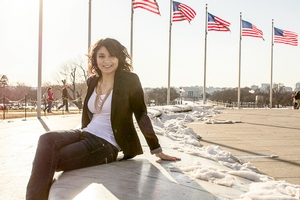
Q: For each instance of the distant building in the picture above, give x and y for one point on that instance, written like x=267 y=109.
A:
x=297 y=86
x=254 y=87
x=211 y=89
x=288 y=89
x=196 y=92
x=191 y=93
x=265 y=87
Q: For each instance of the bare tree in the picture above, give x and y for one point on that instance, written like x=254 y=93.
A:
x=4 y=80
x=3 y=84
x=278 y=91
x=20 y=90
x=159 y=95
x=74 y=73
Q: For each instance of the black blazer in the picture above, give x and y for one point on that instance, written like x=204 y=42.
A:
x=127 y=99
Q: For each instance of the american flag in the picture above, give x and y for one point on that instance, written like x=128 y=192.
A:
x=285 y=37
x=216 y=23
x=150 y=5
x=251 y=30
x=182 y=12
x=251 y=91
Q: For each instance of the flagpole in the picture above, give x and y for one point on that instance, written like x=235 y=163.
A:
x=40 y=49
x=89 y=25
x=205 y=47
x=169 y=65
x=271 y=84
x=131 y=32
x=240 y=61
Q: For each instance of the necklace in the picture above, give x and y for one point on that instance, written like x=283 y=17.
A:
x=99 y=99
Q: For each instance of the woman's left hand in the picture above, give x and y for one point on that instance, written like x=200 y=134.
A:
x=163 y=156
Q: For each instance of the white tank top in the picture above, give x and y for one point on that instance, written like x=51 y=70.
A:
x=100 y=124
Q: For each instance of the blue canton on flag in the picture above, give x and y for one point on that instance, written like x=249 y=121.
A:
x=182 y=12
x=251 y=30
x=285 y=37
x=217 y=24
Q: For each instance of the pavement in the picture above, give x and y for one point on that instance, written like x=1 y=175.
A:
x=268 y=138
x=18 y=141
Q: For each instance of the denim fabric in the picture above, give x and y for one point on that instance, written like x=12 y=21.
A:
x=63 y=151
x=49 y=106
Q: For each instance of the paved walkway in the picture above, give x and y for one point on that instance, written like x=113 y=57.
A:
x=18 y=140
x=268 y=138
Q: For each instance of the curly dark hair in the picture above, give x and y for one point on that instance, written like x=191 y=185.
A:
x=115 y=48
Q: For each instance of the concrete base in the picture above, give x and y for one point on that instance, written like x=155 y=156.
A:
x=143 y=177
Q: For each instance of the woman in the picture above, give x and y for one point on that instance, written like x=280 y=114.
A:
x=114 y=94
x=50 y=99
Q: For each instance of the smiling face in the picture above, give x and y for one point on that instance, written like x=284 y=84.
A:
x=106 y=62
x=112 y=49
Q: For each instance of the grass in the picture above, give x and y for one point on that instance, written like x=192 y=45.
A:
x=10 y=114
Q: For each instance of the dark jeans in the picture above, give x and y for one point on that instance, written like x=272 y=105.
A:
x=65 y=103
x=63 y=151
x=49 y=106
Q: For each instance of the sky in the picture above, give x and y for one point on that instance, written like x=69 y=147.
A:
x=65 y=39
x=242 y=181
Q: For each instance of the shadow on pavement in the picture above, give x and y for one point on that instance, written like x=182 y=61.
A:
x=275 y=126
x=251 y=152
x=44 y=125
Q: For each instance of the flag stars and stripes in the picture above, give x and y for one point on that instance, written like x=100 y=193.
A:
x=251 y=91
x=285 y=37
x=215 y=23
x=251 y=30
x=150 y=5
x=182 y=12
x=181 y=89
